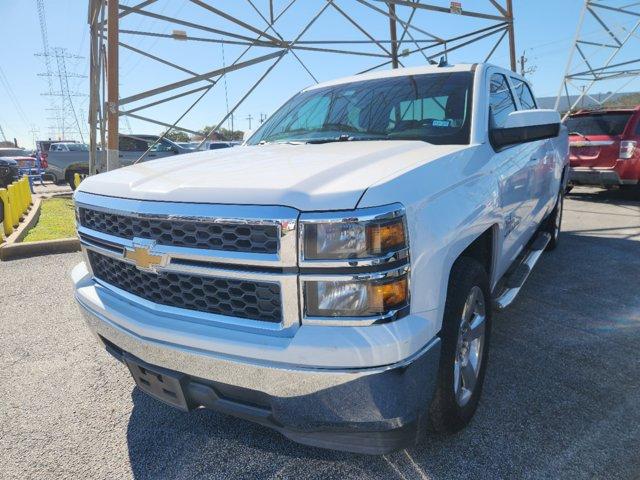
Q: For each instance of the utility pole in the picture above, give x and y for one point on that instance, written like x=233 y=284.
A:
x=34 y=133
x=512 y=36
x=263 y=117
x=524 y=70
x=249 y=117
x=113 y=161
x=394 y=35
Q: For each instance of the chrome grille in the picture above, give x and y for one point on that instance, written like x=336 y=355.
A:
x=210 y=235
x=238 y=298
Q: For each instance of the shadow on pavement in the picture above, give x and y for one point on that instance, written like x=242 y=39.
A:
x=618 y=196
x=560 y=398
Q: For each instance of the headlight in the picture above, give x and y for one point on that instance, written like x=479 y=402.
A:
x=365 y=298
x=342 y=261
x=374 y=235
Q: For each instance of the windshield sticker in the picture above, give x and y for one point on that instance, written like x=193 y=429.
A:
x=441 y=123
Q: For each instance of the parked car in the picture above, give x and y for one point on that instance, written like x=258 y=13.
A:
x=219 y=145
x=335 y=277
x=604 y=147
x=8 y=171
x=42 y=151
x=65 y=159
x=11 y=161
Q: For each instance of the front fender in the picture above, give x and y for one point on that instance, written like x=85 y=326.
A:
x=450 y=202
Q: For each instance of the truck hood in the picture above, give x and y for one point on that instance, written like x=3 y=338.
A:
x=329 y=176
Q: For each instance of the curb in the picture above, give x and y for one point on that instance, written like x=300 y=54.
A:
x=23 y=227
x=45 y=247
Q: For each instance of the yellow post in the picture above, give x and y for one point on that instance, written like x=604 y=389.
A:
x=8 y=218
x=29 y=197
x=13 y=204
x=76 y=179
x=27 y=191
x=23 y=196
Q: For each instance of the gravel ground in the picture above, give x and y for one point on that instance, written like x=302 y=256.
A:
x=560 y=398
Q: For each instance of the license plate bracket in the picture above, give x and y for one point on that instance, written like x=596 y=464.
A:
x=159 y=383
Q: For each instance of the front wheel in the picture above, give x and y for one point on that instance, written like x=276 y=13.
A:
x=553 y=223
x=465 y=344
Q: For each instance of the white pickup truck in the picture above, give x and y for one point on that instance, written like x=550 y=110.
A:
x=333 y=278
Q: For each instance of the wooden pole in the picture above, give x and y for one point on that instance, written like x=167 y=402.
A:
x=512 y=37
x=394 y=35
x=113 y=160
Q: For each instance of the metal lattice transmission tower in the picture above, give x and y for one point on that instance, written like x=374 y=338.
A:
x=65 y=120
x=605 y=56
x=319 y=39
x=55 y=127
x=68 y=120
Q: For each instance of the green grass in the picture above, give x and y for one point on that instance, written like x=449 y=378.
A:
x=57 y=220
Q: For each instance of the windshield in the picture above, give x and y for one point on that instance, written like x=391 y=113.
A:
x=434 y=108
x=598 y=124
x=77 y=147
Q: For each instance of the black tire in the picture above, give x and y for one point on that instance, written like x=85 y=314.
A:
x=553 y=223
x=446 y=413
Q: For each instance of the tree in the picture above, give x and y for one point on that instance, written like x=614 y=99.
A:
x=177 y=136
x=221 y=134
x=628 y=100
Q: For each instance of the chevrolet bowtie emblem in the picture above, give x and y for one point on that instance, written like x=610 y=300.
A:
x=142 y=257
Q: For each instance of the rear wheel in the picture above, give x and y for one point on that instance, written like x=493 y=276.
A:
x=465 y=344
x=70 y=177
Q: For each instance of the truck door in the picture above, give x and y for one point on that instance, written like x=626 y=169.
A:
x=513 y=167
x=131 y=148
x=545 y=164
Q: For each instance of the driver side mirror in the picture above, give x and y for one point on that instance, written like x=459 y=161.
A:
x=526 y=126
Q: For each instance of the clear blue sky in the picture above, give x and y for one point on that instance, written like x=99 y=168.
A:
x=544 y=28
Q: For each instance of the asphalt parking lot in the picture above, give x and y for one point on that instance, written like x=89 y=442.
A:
x=560 y=400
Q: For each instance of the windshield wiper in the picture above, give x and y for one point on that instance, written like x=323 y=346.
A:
x=341 y=138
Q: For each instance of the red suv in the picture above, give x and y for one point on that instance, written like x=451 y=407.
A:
x=604 y=147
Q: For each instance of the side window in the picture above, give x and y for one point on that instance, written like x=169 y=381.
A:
x=129 y=144
x=524 y=94
x=501 y=101
x=162 y=146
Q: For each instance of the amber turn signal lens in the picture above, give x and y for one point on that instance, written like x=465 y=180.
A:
x=387 y=296
x=386 y=237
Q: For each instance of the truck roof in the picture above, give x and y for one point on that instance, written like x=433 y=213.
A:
x=400 y=72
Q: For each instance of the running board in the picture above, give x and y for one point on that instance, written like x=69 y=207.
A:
x=514 y=282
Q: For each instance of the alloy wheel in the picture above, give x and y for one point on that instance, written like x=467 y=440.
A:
x=470 y=346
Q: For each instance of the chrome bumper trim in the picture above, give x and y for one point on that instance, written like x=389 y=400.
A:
x=277 y=380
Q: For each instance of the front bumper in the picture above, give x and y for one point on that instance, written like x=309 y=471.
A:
x=366 y=410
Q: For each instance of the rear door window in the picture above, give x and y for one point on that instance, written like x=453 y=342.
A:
x=598 y=123
x=501 y=101
x=523 y=92
x=130 y=144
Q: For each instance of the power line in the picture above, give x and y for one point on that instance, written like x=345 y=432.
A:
x=14 y=99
